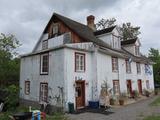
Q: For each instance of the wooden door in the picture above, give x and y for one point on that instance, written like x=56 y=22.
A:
x=129 y=87
x=80 y=94
x=140 y=86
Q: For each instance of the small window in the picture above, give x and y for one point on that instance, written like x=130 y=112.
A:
x=55 y=29
x=43 y=92
x=44 y=63
x=44 y=44
x=114 y=64
x=137 y=50
x=27 y=87
x=138 y=68
x=128 y=66
x=116 y=87
x=79 y=62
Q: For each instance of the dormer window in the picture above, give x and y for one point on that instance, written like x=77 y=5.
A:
x=137 y=50
x=44 y=44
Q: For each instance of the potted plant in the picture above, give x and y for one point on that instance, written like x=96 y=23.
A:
x=135 y=94
x=122 y=98
x=147 y=93
x=112 y=101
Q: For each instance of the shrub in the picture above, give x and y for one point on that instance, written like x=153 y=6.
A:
x=12 y=100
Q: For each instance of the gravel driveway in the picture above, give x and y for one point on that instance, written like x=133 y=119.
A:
x=135 y=111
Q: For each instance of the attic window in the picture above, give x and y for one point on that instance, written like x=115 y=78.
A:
x=55 y=29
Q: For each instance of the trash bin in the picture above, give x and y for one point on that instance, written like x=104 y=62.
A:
x=71 y=107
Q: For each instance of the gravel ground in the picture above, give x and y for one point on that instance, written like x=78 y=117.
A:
x=135 y=111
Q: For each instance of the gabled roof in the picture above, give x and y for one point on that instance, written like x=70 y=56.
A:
x=80 y=29
x=103 y=31
x=130 y=41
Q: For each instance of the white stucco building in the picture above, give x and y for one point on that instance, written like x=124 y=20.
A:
x=71 y=61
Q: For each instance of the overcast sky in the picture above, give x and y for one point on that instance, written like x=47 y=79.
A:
x=26 y=19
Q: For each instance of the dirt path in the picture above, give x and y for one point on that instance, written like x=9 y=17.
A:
x=134 y=111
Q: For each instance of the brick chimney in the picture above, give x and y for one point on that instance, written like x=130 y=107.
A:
x=90 y=22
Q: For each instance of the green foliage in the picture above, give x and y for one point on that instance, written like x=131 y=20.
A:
x=156 y=102
x=152 y=118
x=12 y=99
x=128 y=31
x=4 y=116
x=9 y=65
x=154 y=55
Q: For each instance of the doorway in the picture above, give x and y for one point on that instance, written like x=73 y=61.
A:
x=80 y=94
x=129 y=88
x=140 y=86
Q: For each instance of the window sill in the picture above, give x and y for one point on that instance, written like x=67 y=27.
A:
x=115 y=71
x=43 y=73
x=80 y=71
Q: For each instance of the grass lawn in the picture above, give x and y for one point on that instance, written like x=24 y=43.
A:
x=152 y=118
x=156 y=102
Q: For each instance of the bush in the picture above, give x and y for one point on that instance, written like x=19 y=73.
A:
x=12 y=100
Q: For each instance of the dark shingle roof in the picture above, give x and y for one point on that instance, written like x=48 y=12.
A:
x=82 y=30
x=130 y=41
x=103 y=31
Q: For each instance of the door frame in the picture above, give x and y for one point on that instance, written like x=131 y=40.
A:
x=130 y=87
x=140 y=86
x=119 y=92
x=83 y=92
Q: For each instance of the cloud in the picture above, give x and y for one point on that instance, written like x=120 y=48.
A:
x=27 y=19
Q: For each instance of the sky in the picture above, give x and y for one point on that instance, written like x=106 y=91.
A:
x=26 y=19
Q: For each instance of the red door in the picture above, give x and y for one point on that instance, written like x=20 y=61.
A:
x=140 y=86
x=129 y=87
x=80 y=94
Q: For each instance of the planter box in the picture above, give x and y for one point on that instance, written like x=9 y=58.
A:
x=94 y=104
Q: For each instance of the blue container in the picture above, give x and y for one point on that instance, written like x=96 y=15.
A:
x=94 y=104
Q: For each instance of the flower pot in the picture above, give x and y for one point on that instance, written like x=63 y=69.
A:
x=121 y=102
x=112 y=101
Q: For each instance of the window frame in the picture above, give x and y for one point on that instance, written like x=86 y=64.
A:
x=78 y=67
x=41 y=64
x=115 y=66
x=128 y=66
x=41 y=97
x=44 y=45
x=115 y=91
x=27 y=87
x=138 y=66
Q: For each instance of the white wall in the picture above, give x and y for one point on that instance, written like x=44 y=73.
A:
x=30 y=70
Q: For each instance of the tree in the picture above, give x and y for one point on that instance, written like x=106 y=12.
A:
x=105 y=23
x=154 y=55
x=126 y=29
x=9 y=64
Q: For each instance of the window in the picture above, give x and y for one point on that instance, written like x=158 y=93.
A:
x=128 y=66
x=27 y=87
x=147 y=84
x=44 y=44
x=79 y=62
x=44 y=63
x=43 y=92
x=55 y=29
x=136 y=50
x=116 y=87
x=114 y=64
x=138 y=68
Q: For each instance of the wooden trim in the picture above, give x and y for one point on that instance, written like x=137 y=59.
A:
x=139 y=81
x=75 y=61
x=118 y=83
x=131 y=90
x=112 y=64
x=84 y=92
x=26 y=87
x=40 y=91
x=41 y=64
